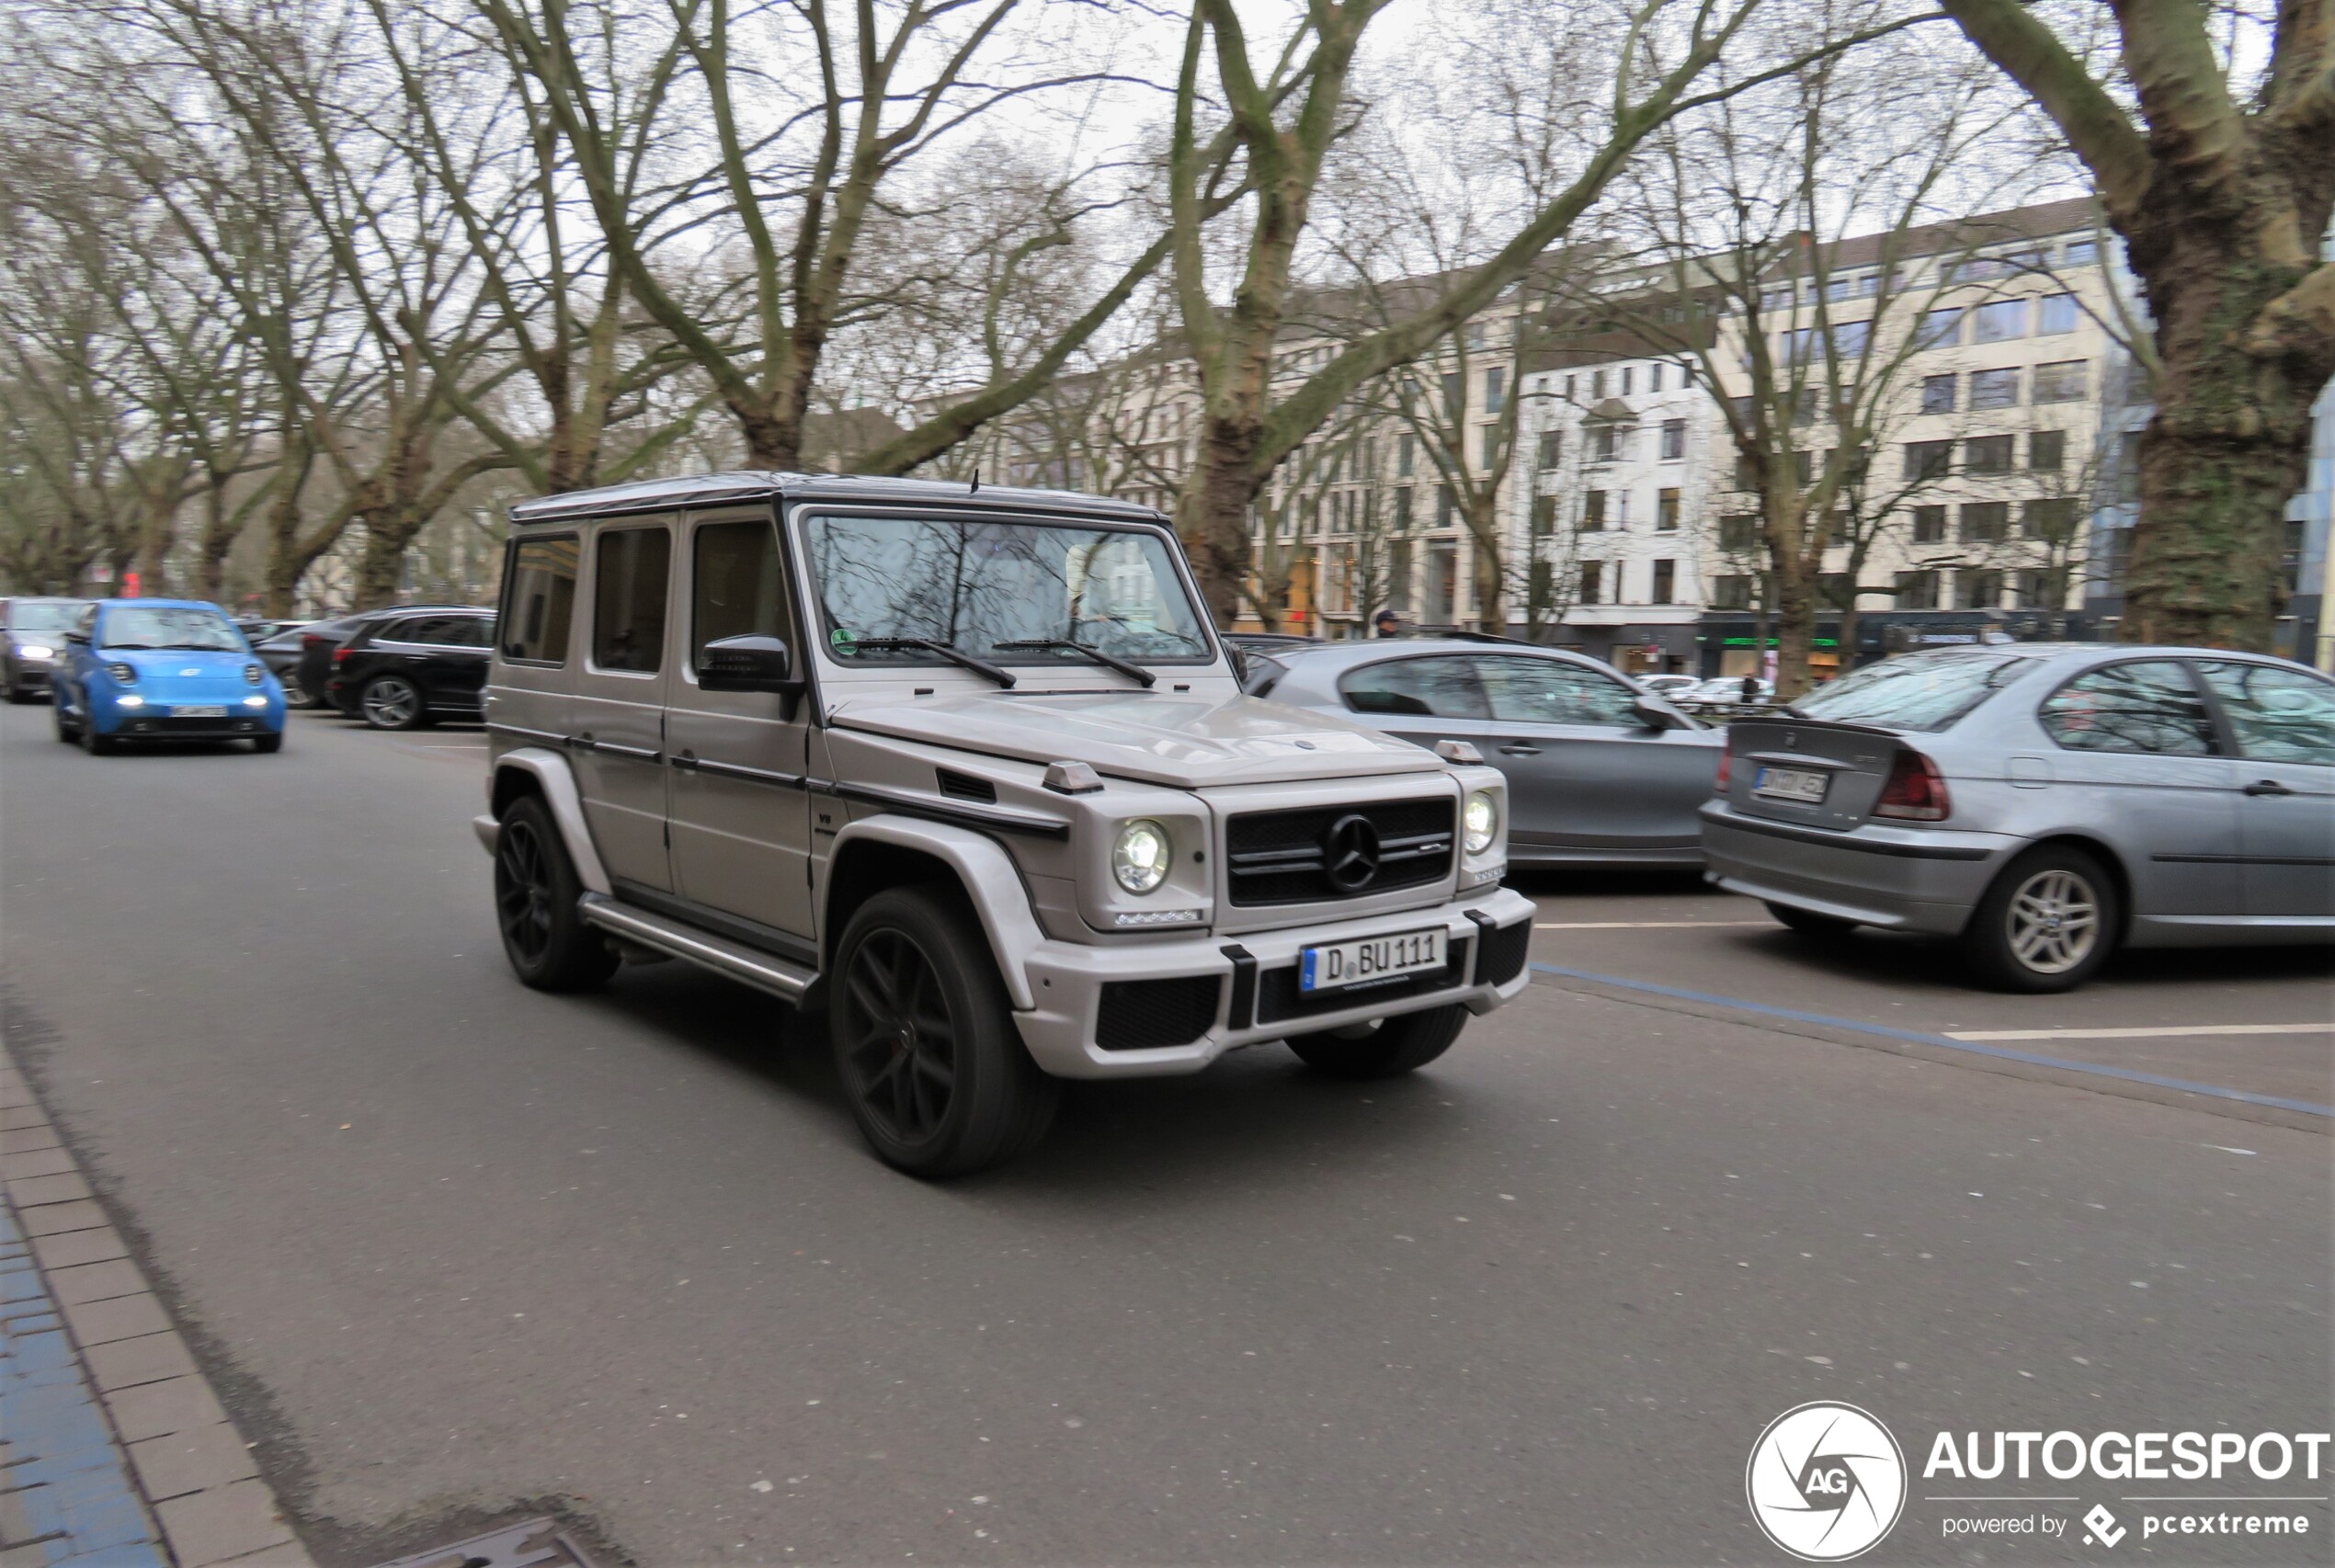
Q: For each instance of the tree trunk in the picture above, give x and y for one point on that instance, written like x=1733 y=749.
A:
x=380 y=567
x=1793 y=589
x=1211 y=512
x=2228 y=443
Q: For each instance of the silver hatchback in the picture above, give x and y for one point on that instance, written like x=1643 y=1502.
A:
x=1600 y=770
x=2044 y=803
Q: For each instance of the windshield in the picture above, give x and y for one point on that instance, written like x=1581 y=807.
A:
x=976 y=585
x=1915 y=691
x=170 y=627
x=33 y=615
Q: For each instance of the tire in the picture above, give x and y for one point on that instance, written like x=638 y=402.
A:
x=2047 y=923
x=535 y=899
x=18 y=696
x=925 y=1044
x=268 y=746
x=95 y=744
x=295 y=695
x=1809 y=923
x=1391 y=1046
x=57 y=724
x=392 y=702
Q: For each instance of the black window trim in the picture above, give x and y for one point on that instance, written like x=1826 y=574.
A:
x=511 y=548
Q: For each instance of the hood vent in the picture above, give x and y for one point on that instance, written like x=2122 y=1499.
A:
x=965 y=787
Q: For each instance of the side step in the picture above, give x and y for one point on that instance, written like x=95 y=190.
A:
x=759 y=970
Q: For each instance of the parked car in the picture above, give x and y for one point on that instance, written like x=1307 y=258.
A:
x=32 y=637
x=280 y=651
x=320 y=641
x=1672 y=687
x=403 y=671
x=163 y=670
x=2044 y=805
x=1600 y=771
x=975 y=767
x=1728 y=690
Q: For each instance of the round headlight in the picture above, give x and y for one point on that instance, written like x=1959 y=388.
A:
x=124 y=673
x=1482 y=822
x=1140 y=858
x=253 y=675
x=34 y=651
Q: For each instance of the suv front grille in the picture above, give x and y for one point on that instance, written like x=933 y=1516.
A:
x=1318 y=854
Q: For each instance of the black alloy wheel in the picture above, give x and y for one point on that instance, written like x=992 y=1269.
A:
x=925 y=1044
x=535 y=899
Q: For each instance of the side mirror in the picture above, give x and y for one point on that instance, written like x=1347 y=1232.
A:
x=77 y=635
x=752 y=662
x=1653 y=715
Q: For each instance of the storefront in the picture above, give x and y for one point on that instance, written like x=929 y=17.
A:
x=1742 y=644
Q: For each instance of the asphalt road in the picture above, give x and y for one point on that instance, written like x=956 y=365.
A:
x=455 y=1248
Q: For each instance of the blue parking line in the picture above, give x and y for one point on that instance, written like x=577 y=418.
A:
x=1944 y=1042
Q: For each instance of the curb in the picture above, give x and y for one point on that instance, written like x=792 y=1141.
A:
x=114 y=1450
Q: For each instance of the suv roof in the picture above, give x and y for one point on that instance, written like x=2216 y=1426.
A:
x=724 y=489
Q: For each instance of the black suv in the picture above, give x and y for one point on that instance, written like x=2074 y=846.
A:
x=402 y=671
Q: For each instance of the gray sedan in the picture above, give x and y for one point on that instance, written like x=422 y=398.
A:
x=2044 y=804
x=1599 y=770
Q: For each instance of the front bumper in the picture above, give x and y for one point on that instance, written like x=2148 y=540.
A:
x=24 y=675
x=1251 y=980
x=1899 y=878
x=159 y=721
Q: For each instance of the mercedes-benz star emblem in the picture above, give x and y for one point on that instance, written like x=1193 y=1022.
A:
x=1349 y=853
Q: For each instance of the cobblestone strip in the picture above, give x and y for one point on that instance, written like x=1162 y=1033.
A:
x=114 y=1452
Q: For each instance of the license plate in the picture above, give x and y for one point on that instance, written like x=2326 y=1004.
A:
x=1340 y=965
x=1804 y=785
x=201 y=711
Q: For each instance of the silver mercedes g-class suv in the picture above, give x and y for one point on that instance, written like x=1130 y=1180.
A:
x=969 y=771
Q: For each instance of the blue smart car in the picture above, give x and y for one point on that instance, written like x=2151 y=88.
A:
x=163 y=670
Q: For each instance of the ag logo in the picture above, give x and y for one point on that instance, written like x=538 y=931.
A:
x=1825 y=1481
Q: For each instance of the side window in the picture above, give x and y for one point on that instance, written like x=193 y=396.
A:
x=736 y=591
x=465 y=631
x=2280 y=715
x=416 y=629
x=539 y=600
x=630 y=567
x=1442 y=688
x=2145 y=705
x=1553 y=691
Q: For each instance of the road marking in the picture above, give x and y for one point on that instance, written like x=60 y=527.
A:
x=2168 y=1031
x=1646 y=925
x=1944 y=1042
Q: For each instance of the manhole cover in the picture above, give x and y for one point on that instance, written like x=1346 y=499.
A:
x=537 y=1543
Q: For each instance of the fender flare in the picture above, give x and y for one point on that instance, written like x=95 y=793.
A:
x=987 y=873
x=557 y=781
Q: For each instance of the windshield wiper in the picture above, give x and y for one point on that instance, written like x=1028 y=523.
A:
x=957 y=656
x=197 y=647
x=1109 y=661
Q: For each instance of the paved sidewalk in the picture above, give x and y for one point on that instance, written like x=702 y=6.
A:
x=114 y=1452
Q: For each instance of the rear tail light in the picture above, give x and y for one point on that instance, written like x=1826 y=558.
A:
x=312 y=640
x=1915 y=790
x=1726 y=757
x=341 y=654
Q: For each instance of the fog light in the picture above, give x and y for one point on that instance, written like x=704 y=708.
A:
x=130 y=699
x=255 y=702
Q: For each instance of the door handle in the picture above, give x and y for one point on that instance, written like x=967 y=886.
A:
x=685 y=761
x=2267 y=787
x=1519 y=748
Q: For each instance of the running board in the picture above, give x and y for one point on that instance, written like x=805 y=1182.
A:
x=759 y=970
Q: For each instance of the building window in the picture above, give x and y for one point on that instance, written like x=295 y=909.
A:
x=2056 y=313
x=1978 y=588
x=1653 y=377
x=1568 y=389
x=1495 y=390
x=1929 y=525
x=1402 y=508
x=1552 y=448
x=1594 y=512
x=1673 y=441
x=2047 y=450
x=1929 y=459
x=1936 y=393
x=1405 y=457
x=1993 y=389
x=1837 y=589
x=1592 y=582
x=1489 y=458
x=1835 y=529
x=1665 y=579
x=1917 y=590
x=2052 y=520
x=1454 y=392
x=2063 y=381
x=1732 y=592
x=1746 y=475
x=1738 y=532
x=1984 y=522
x=1804 y=467
x=2000 y=322
x=1987 y=454
x=1629 y=374
x=1940 y=329
x=2037 y=590
x=1543 y=516
x=1446 y=503
x=1609 y=443
x=1666 y=513
x=2080 y=253
x=1597 y=383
